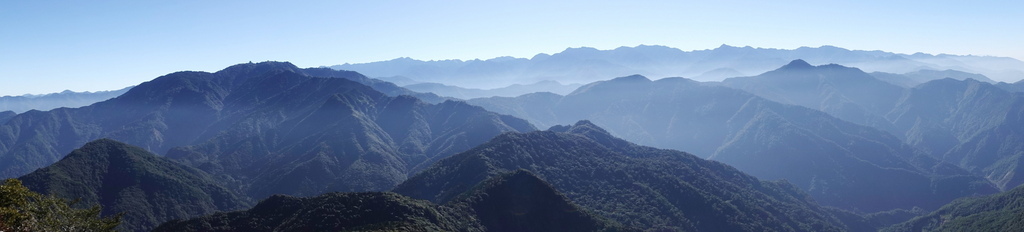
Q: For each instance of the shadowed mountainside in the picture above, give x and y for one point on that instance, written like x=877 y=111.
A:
x=263 y=129
x=642 y=187
x=515 y=201
x=122 y=178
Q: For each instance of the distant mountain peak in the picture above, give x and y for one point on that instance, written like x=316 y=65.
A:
x=580 y=51
x=632 y=78
x=107 y=146
x=797 y=64
x=259 y=68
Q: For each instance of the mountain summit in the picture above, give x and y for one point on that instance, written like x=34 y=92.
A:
x=264 y=128
x=797 y=64
x=122 y=178
x=642 y=187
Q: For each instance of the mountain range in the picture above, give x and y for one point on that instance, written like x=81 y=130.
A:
x=263 y=129
x=916 y=143
x=585 y=65
x=641 y=187
x=911 y=79
x=508 y=91
x=67 y=98
x=963 y=121
x=839 y=163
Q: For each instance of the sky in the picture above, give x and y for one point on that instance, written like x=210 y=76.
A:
x=51 y=46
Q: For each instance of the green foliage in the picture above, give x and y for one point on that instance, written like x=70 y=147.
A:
x=998 y=212
x=370 y=211
x=148 y=189
x=512 y=202
x=24 y=210
x=520 y=201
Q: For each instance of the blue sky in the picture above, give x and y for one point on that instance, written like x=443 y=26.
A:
x=49 y=46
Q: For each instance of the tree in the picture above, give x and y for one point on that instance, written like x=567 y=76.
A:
x=24 y=210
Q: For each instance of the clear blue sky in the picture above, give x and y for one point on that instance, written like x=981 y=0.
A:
x=49 y=46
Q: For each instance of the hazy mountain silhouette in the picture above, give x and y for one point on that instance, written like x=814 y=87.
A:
x=263 y=129
x=51 y=101
x=965 y=122
x=122 y=178
x=508 y=91
x=846 y=93
x=584 y=65
x=970 y=123
x=998 y=212
x=399 y=80
x=638 y=186
x=1012 y=87
x=516 y=201
x=911 y=79
x=837 y=162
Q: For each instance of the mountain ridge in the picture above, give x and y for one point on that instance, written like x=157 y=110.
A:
x=813 y=150
x=513 y=201
x=261 y=127
x=673 y=190
x=122 y=178
x=584 y=65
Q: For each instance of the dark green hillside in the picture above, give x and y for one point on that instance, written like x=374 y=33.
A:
x=122 y=178
x=639 y=186
x=511 y=202
x=369 y=211
x=520 y=201
x=999 y=212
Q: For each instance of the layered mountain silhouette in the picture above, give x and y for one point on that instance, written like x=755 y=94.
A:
x=1012 y=87
x=584 y=65
x=915 y=78
x=641 y=187
x=263 y=129
x=998 y=212
x=508 y=91
x=122 y=178
x=51 y=101
x=515 y=201
x=839 y=163
x=846 y=93
x=966 y=122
